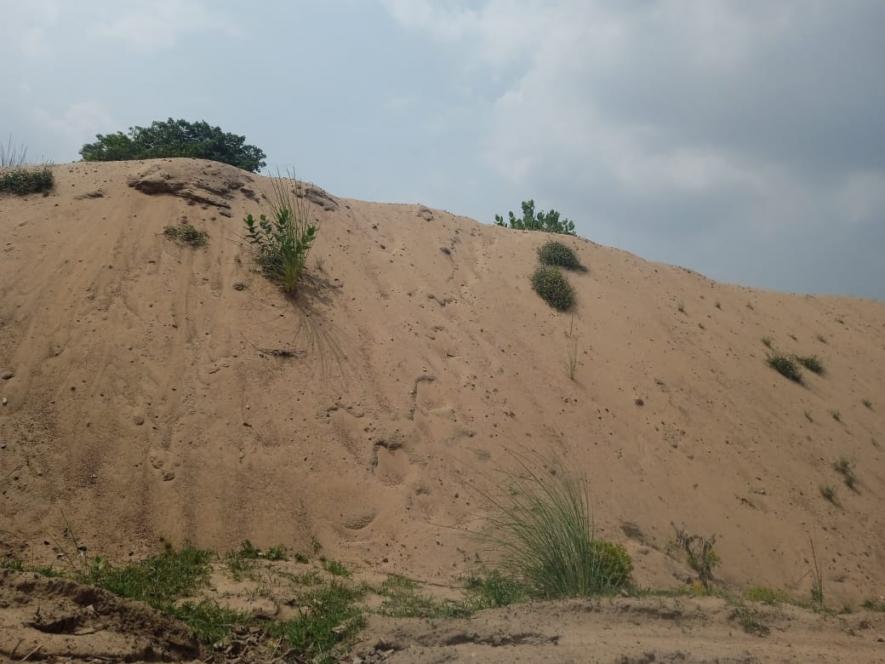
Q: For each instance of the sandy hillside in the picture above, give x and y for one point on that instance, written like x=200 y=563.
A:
x=164 y=392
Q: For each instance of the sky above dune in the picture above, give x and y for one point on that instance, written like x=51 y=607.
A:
x=744 y=139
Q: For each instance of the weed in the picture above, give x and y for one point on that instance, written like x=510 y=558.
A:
x=874 y=605
x=186 y=234
x=335 y=568
x=12 y=564
x=299 y=557
x=571 y=360
x=158 y=580
x=845 y=468
x=808 y=417
x=750 y=620
x=559 y=255
x=277 y=552
x=283 y=242
x=493 y=590
x=868 y=404
x=209 y=622
x=817 y=579
x=785 y=367
x=699 y=551
x=552 y=286
x=812 y=363
x=829 y=492
x=766 y=595
x=328 y=617
x=836 y=416
x=822 y=338
x=545 y=533
x=767 y=342
x=402 y=600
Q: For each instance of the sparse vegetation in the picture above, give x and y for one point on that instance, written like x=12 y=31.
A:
x=549 y=222
x=209 y=622
x=828 y=491
x=572 y=351
x=785 y=367
x=16 y=177
x=718 y=304
x=403 y=600
x=812 y=363
x=560 y=255
x=186 y=234
x=283 y=242
x=493 y=590
x=764 y=595
x=766 y=341
x=868 y=404
x=545 y=533
x=176 y=138
x=700 y=554
x=817 y=580
x=822 y=338
x=680 y=307
x=808 y=417
x=751 y=620
x=335 y=568
x=552 y=286
x=846 y=469
x=874 y=605
x=836 y=415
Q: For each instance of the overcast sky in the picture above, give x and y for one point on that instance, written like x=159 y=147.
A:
x=743 y=139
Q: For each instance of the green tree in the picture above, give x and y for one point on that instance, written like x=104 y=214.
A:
x=176 y=138
x=549 y=222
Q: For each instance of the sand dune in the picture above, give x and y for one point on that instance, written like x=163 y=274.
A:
x=150 y=400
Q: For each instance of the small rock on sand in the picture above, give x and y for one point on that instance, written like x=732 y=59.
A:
x=6 y=374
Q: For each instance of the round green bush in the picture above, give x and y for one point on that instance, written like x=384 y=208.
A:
x=611 y=565
x=549 y=283
x=559 y=254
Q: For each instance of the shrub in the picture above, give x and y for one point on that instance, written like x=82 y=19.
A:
x=186 y=234
x=24 y=180
x=812 y=363
x=699 y=552
x=494 y=590
x=553 y=287
x=560 y=255
x=785 y=367
x=283 y=242
x=540 y=221
x=545 y=532
x=176 y=138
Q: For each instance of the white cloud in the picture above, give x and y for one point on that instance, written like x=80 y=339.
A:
x=79 y=120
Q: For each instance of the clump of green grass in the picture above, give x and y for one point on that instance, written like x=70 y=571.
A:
x=283 y=242
x=785 y=367
x=812 y=363
x=158 y=580
x=403 y=600
x=545 y=533
x=330 y=616
x=558 y=254
x=552 y=286
x=335 y=568
x=186 y=234
x=765 y=595
x=209 y=622
x=846 y=469
x=829 y=492
x=750 y=620
x=494 y=589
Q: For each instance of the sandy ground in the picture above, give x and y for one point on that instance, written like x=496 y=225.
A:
x=148 y=398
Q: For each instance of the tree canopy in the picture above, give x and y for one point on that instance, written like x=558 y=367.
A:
x=540 y=221
x=176 y=138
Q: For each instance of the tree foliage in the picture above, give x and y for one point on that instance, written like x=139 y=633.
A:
x=176 y=138
x=549 y=222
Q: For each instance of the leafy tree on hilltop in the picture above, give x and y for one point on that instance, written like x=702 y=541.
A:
x=176 y=138
x=540 y=221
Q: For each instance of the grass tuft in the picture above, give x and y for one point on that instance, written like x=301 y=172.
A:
x=765 y=595
x=557 y=254
x=335 y=568
x=402 y=600
x=846 y=469
x=552 y=286
x=23 y=180
x=868 y=404
x=812 y=363
x=186 y=234
x=545 y=533
x=829 y=492
x=750 y=620
x=493 y=590
x=785 y=367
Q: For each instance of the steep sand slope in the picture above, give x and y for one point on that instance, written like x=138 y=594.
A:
x=147 y=401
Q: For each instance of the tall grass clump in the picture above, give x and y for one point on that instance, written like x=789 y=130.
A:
x=559 y=255
x=545 y=533
x=283 y=241
x=812 y=363
x=16 y=177
x=556 y=291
